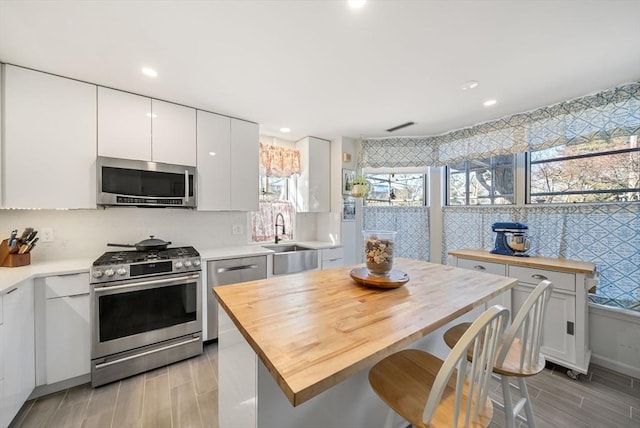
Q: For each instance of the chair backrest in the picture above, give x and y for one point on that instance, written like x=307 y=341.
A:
x=471 y=383
x=520 y=348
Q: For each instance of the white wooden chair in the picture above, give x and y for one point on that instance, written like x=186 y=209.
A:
x=519 y=353
x=429 y=392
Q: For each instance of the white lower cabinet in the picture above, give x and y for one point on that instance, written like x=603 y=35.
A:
x=332 y=258
x=565 y=335
x=67 y=334
x=18 y=349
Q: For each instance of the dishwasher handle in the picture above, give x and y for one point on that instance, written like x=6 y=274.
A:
x=234 y=268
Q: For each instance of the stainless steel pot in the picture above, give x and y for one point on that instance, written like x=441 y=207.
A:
x=146 y=244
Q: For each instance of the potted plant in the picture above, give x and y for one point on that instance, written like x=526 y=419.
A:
x=360 y=187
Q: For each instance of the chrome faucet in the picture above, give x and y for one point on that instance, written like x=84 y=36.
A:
x=279 y=215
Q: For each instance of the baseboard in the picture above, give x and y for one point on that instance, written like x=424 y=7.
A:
x=42 y=390
x=616 y=366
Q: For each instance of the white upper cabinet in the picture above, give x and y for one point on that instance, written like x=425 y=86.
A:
x=173 y=133
x=315 y=175
x=227 y=163
x=124 y=125
x=135 y=127
x=245 y=168
x=50 y=141
x=214 y=162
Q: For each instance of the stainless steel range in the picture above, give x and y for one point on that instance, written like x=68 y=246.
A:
x=146 y=311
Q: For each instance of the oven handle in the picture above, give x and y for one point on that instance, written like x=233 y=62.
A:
x=143 y=283
x=153 y=351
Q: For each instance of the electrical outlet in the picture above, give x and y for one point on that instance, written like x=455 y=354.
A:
x=46 y=234
x=237 y=229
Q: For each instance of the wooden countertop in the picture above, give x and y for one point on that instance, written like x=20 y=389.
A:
x=314 y=329
x=566 y=265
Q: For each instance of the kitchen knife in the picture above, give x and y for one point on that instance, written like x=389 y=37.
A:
x=29 y=246
x=26 y=233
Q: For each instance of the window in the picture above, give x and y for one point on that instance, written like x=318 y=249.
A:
x=274 y=188
x=596 y=171
x=396 y=189
x=481 y=181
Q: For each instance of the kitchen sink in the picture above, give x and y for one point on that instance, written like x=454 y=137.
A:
x=292 y=258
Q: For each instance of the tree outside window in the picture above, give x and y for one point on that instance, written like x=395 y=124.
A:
x=595 y=171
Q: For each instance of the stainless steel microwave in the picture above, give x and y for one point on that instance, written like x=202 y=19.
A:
x=125 y=182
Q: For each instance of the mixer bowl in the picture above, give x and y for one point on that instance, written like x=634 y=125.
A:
x=518 y=243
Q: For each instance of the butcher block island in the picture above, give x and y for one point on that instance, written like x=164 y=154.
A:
x=295 y=350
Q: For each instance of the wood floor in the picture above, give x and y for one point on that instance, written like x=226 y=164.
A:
x=185 y=395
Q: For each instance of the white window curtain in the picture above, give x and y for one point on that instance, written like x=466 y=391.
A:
x=410 y=223
x=607 y=114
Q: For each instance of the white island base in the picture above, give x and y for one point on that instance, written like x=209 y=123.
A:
x=249 y=397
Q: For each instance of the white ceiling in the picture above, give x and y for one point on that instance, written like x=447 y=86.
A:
x=323 y=69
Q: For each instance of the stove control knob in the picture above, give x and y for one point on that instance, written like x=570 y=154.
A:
x=196 y=263
x=109 y=272
x=97 y=273
x=178 y=265
x=187 y=263
x=121 y=271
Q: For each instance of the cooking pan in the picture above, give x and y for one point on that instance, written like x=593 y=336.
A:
x=146 y=244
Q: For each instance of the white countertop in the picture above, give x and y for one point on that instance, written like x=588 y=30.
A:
x=10 y=277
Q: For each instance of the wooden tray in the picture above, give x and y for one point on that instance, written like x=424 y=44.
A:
x=395 y=279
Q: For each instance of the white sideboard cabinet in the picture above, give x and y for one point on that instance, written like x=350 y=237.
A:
x=315 y=175
x=227 y=163
x=565 y=338
x=49 y=141
x=17 y=349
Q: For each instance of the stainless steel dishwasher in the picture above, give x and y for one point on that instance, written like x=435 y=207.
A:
x=229 y=271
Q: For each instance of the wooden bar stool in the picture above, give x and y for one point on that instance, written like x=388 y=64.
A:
x=429 y=392
x=519 y=353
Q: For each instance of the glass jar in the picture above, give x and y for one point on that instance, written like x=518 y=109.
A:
x=378 y=251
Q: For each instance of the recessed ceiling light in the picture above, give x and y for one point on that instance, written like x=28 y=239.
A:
x=149 y=72
x=285 y=130
x=489 y=103
x=471 y=84
x=356 y=4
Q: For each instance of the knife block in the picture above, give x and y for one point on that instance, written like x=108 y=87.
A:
x=12 y=260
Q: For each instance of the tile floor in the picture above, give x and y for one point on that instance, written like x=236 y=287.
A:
x=185 y=395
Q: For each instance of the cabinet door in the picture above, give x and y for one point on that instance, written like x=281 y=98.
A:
x=558 y=336
x=50 y=141
x=124 y=125
x=173 y=133
x=214 y=162
x=244 y=165
x=18 y=349
x=315 y=175
x=68 y=338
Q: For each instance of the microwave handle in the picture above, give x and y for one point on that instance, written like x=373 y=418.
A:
x=186 y=186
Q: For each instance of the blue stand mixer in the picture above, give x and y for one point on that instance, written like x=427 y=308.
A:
x=510 y=239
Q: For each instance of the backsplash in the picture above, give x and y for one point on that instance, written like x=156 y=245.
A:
x=85 y=233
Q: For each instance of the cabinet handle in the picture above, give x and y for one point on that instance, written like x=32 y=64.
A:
x=186 y=186
x=232 y=268
x=479 y=267
x=11 y=291
x=538 y=276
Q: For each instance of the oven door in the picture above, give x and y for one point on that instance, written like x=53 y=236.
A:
x=139 y=312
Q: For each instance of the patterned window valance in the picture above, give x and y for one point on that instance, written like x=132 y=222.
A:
x=608 y=114
x=279 y=161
